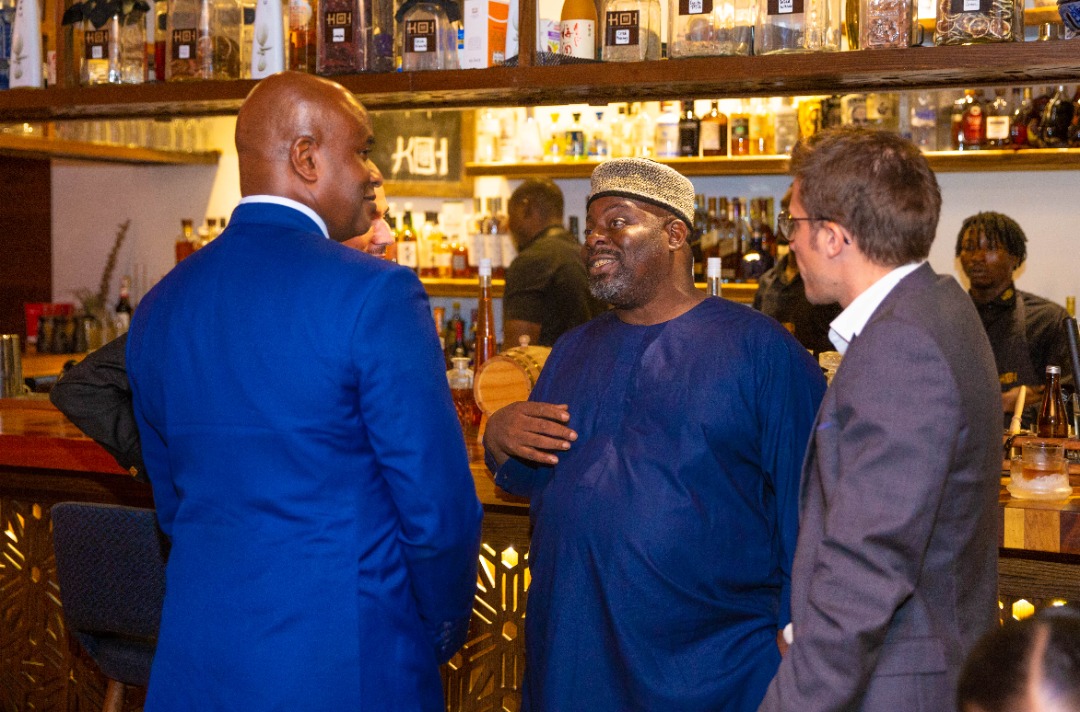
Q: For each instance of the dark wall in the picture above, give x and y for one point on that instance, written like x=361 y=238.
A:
x=25 y=239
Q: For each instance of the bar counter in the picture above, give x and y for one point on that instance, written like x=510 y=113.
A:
x=45 y=459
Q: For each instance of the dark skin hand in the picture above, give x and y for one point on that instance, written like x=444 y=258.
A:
x=529 y=431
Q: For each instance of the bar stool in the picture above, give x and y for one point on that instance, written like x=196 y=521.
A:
x=110 y=564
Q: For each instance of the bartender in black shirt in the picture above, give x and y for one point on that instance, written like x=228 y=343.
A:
x=1026 y=332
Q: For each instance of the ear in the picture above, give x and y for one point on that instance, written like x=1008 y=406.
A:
x=834 y=237
x=304 y=158
x=677 y=232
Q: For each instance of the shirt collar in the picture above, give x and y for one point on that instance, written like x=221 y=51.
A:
x=289 y=203
x=844 y=328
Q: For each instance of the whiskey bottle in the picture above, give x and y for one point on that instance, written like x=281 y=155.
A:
x=123 y=308
x=1052 y=421
x=714 y=132
x=998 y=120
x=970 y=131
x=689 y=131
x=1056 y=119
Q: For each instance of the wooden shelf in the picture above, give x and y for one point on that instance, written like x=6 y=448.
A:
x=466 y=289
x=1043 y=159
x=49 y=148
x=710 y=77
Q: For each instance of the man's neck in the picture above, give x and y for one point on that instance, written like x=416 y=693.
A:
x=985 y=295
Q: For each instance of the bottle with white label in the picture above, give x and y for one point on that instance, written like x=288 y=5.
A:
x=268 y=42
x=998 y=121
x=578 y=29
x=429 y=35
x=705 y=28
x=631 y=30
x=181 y=41
x=25 y=66
x=797 y=26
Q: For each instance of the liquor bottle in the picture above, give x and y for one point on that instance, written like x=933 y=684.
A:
x=667 y=131
x=218 y=39
x=689 y=131
x=303 y=35
x=455 y=332
x=735 y=240
x=268 y=43
x=506 y=247
x=460 y=378
x=123 y=308
x=631 y=30
x=998 y=119
x=714 y=132
x=600 y=138
x=713 y=279
x=756 y=260
x=7 y=18
x=762 y=129
x=407 y=252
x=555 y=143
x=578 y=28
x=709 y=28
x=1052 y=421
x=25 y=57
x=851 y=23
x=185 y=242
x=924 y=121
x=575 y=147
x=1056 y=119
x=459 y=259
x=882 y=112
x=95 y=51
x=428 y=34
x=970 y=131
x=786 y=123
x=643 y=133
x=485 y=320
x=739 y=143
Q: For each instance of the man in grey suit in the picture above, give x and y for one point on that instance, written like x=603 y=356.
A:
x=895 y=569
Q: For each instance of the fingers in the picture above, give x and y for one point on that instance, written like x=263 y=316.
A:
x=531 y=431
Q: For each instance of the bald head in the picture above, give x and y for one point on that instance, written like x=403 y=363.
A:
x=306 y=138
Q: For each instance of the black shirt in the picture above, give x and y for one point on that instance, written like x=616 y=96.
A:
x=1027 y=334
x=547 y=285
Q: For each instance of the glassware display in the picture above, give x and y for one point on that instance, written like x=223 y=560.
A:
x=885 y=24
x=631 y=30
x=976 y=21
x=705 y=28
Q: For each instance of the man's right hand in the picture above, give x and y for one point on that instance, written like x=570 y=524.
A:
x=530 y=431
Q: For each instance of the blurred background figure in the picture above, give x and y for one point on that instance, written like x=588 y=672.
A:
x=1027 y=666
x=781 y=295
x=1027 y=332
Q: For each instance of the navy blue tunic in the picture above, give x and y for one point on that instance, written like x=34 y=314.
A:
x=663 y=539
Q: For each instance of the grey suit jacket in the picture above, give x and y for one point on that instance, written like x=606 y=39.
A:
x=895 y=571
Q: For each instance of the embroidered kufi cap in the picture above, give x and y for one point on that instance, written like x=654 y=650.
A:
x=645 y=180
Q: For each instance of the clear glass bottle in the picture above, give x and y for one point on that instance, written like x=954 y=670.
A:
x=218 y=39
x=303 y=35
x=714 y=132
x=631 y=30
x=786 y=120
x=343 y=28
x=713 y=279
x=460 y=378
x=428 y=35
x=643 y=132
x=574 y=141
x=667 y=131
x=998 y=121
x=578 y=25
x=734 y=240
x=485 y=319
x=797 y=26
x=98 y=44
x=689 y=131
x=885 y=24
x=705 y=28
x=924 y=120
x=961 y=22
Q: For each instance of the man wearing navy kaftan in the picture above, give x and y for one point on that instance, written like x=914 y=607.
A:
x=663 y=538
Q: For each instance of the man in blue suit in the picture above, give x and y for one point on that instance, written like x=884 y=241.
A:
x=301 y=442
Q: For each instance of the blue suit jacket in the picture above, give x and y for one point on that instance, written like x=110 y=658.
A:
x=895 y=572
x=308 y=465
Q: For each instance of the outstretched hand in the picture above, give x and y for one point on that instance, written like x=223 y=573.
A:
x=530 y=431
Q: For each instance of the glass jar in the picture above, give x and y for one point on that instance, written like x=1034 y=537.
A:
x=707 y=28
x=631 y=30
x=797 y=26
x=885 y=24
x=961 y=22
x=428 y=35
x=130 y=65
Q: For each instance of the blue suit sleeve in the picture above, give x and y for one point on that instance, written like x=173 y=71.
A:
x=406 y=407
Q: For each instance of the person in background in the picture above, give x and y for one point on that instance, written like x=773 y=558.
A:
x=660 y=452
x=781 y=295
x=297 y=427
x=547 y=290
x=1027 y=332
x=1031 y=665
x=379 y=238
x=895 y=573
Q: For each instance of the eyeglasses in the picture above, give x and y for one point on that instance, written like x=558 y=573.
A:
x=786 y=222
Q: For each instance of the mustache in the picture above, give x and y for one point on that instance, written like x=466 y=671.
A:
x=590 y=254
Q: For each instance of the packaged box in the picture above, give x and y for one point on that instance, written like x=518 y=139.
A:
x=485 y=23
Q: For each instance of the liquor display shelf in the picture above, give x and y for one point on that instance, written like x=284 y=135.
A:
x=1042 y=159
x=49 y=148
x=467 y=289
x=773 y=75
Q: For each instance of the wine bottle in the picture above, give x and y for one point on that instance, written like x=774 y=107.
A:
x=1052 y=421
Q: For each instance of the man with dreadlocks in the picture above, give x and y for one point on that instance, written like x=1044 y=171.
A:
x=1026 y=332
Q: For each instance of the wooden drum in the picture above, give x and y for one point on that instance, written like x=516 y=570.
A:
x=508 y=377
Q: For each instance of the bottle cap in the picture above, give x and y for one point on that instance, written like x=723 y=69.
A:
x=485 y=267
x=713 y=267
x=461 y=363
x=1053 y=369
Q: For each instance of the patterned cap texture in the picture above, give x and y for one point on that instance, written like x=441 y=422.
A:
x=645 y=180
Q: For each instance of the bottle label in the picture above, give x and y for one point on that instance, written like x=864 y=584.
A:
x=695 y=7
x=420 y=36
x=622 y=28
x=997 y=128
x=710 y=136
x=959 y=6
x=339 y=27
x=183 y=43
x=579 y=38
x=97 y=44
x=740 y=126
x=785 y=7
x=406 y=254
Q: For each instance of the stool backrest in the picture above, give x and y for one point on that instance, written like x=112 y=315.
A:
x=110 y=564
